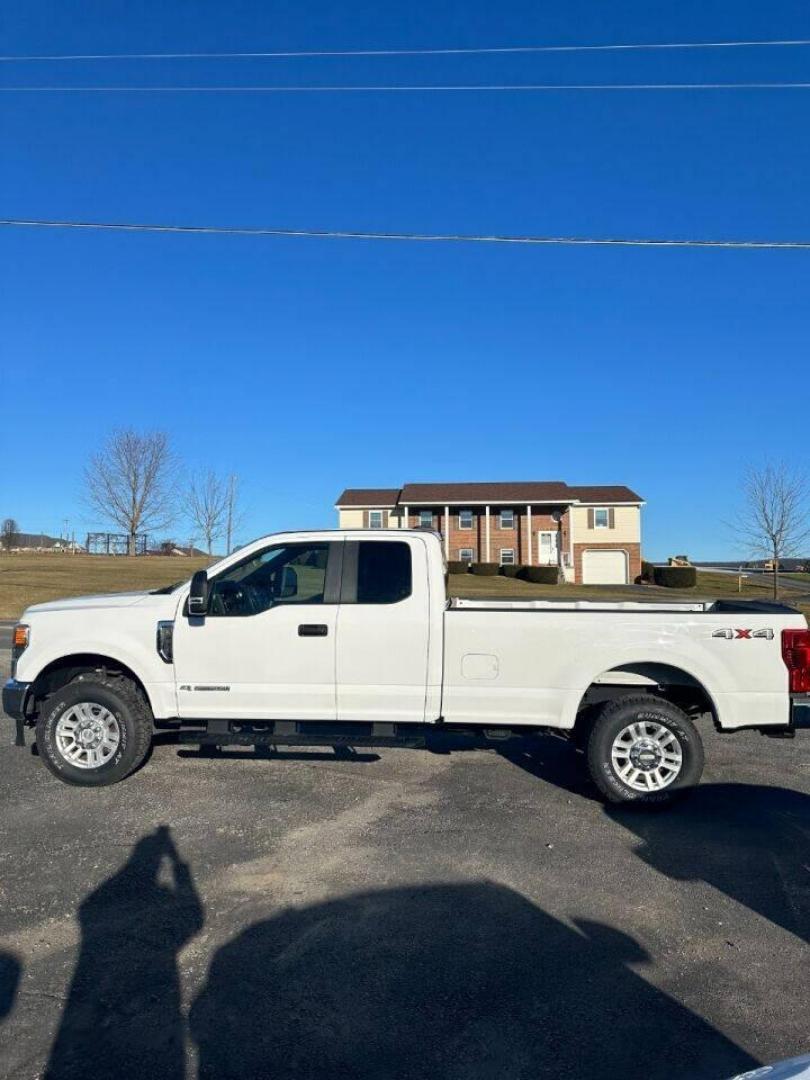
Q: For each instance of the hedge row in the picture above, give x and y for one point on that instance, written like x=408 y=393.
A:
x=457 y=567
x=540 y=575
x=675 y=577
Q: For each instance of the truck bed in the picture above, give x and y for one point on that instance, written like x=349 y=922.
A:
x=706 y=607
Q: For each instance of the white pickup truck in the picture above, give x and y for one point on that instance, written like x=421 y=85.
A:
x=347 y=638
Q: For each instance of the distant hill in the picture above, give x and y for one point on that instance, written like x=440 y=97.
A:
x=790 y=565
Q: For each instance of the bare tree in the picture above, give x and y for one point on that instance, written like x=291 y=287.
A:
x=132 y=481
x=9 y=533
x=235 y=515
x=775 y=524
x=207 y=504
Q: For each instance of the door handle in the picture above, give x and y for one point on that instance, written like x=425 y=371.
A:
x=313 y=630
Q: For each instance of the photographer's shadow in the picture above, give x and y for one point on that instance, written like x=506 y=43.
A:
x=10 y=971
x=123 y=1017
x=461 y=981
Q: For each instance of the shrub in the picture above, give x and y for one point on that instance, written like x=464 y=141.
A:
x=512 y=570
x=485 y=569
x=647 y=571
x=460 y=566
x=541 y=575
x=675 y=577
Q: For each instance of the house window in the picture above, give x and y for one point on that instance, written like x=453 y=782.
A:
x=425 y=519
x=465 y=519
x=600 y=519
x=375 y=519
x=507 y=556
x=507 y=519
x=465 y=554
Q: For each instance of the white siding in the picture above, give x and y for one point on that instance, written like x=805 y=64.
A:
x=350 y=519
x=626 y=530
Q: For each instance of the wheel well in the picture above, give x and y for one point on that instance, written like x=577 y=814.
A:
x=66 y=668
x=663 y=680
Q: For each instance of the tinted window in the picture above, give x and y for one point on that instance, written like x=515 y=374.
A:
x=383 y=572
x=288 y=574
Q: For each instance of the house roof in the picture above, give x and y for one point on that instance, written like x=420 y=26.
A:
x=528 y=491
x=612 y=493
x=368 y=497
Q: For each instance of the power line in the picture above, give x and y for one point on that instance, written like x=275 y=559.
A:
x=459 y=88
x=467 y=238
x=496 y=50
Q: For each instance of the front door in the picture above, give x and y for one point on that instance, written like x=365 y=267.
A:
x=547 y=548
x=266 y=648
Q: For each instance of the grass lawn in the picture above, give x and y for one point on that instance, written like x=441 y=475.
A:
x=31 y=578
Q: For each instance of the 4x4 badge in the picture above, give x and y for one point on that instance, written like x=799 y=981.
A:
x=736 y=634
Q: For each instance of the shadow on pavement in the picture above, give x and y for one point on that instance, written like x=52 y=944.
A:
x=555 y=760
x=461 y=981
x=749 y=841
x=10 y=971
x=122 y=1017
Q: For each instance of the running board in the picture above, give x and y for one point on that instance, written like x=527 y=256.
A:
x=317 y=733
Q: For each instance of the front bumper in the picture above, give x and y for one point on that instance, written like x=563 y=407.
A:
x=15 y=696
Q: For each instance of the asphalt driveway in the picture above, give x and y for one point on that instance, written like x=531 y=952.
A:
x=402 y=914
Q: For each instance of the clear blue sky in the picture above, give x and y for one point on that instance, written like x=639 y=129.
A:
x=309 y=365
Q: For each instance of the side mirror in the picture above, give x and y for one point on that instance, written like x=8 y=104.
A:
x=198 y=596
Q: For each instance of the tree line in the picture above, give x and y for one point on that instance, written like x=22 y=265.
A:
x=136 y=480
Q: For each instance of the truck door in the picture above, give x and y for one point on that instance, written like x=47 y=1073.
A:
x=266 y=648
x=383 y=631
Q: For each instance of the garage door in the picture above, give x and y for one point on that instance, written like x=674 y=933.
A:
x=604 y=568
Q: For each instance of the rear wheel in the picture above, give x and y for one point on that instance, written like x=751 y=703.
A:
x=95 y=730
x=643 y=749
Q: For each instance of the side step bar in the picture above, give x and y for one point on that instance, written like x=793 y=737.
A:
x=316 y=733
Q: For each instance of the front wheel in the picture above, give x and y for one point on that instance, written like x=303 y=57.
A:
x=95 y=730
x=643 y=749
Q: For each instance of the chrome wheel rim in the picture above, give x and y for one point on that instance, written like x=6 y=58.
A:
x=87 y=735
x=647 y=756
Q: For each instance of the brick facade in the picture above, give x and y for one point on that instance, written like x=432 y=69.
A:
x=501 y=538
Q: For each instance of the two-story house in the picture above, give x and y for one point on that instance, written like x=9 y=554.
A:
x=592 y=533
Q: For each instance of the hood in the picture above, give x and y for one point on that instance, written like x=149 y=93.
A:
x=105 y=600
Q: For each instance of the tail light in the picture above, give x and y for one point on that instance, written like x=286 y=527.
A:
x=796 y=654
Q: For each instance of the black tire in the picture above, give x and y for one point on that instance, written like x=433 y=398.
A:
x=121 y=697
x=613 y=718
